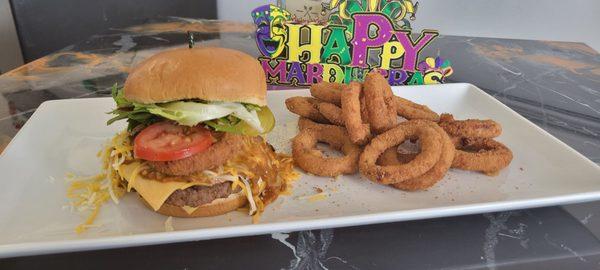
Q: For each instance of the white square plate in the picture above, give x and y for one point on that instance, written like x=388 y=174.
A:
x=64 y=136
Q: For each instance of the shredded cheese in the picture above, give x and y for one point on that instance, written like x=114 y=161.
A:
x=260 y=155
x=88 y=194
x=169 y=224
x=251 y=199
x=133 y=176
x=315 y=197
x=119 y=166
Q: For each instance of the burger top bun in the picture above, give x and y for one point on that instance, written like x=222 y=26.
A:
x=207 y=73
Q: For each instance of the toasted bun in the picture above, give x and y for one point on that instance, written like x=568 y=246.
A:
x=215 y=208
x=213 y=74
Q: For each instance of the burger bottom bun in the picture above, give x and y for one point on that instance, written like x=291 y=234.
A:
x=217 y=207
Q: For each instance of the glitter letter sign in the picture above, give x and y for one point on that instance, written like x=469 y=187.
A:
x=357 y=37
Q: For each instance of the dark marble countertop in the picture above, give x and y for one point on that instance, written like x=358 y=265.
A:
x=556 y=85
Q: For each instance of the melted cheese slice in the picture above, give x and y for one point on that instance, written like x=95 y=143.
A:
x=189 y=209
x=154 y=192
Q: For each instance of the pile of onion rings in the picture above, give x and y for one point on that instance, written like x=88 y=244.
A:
x=373 y=129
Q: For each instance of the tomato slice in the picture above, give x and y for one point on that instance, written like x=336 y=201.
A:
x=165 y=141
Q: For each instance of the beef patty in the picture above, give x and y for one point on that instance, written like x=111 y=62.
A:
x=199 y=195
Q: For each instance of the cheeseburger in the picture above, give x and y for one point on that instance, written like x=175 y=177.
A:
x=193 y=146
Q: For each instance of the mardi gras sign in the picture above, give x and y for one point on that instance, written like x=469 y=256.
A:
x=358 y=38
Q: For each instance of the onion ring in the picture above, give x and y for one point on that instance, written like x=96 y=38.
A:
x=305 y=107
x=216 y=155
x=431 y=177
x=379 y=101
x=305 y=123
x=327 y=91
x=411 y=110
x=312 y=160
x=331 y=112
x=481 y=154
x=470 y=128
x=391 y=157
x=364 y=114
x=359 y=132
x=431 y=149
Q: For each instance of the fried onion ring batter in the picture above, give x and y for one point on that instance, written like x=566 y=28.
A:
x=431 y=177
x=327 y=91
x=305 y=123
x=358 y=129
x=411 y=110
x=331 y=112
x=380 y=103
x=391 y=156
x=481 y=154
x=364 y=114
x=431 y=149
x=312 y=160
x=305 y=107
x=470 y=128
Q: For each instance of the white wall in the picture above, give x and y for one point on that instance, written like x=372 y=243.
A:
x=10 y=52
x=573 y=20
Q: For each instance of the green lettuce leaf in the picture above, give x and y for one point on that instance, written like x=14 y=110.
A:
x=119 y=97
x=233 y=117
x=267 y=121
